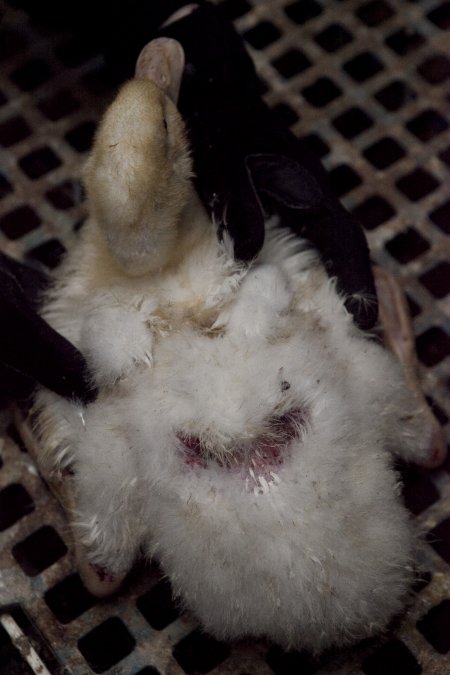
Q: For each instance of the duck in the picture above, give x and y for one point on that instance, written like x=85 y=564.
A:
x=245 y=429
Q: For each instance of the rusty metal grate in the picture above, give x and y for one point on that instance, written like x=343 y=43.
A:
x=368 y=84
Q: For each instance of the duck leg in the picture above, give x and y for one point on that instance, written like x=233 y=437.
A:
x=100 y=581
x=398 y=337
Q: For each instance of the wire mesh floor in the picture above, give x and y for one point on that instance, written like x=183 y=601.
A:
x=368 y=84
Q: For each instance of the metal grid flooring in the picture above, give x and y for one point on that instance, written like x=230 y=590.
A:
x=368 y=83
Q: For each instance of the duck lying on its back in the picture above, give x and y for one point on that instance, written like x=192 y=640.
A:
x=244 y=426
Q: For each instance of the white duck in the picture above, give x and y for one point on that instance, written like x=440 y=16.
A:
x=244 y=428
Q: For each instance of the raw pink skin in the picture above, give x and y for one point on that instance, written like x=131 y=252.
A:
x=259 y=460
x=104 y=574
x=435 y=458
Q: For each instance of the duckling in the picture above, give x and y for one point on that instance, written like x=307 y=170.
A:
x=245 y=427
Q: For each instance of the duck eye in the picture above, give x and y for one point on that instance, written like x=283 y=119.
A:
x=285 y=385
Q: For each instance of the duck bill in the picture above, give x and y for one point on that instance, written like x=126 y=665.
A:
x=162 y=62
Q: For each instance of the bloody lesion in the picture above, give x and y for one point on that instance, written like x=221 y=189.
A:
x=258 y=458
